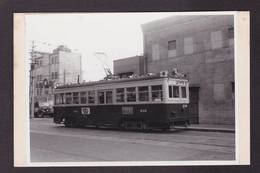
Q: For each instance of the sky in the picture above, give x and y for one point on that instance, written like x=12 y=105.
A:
x=117 y=35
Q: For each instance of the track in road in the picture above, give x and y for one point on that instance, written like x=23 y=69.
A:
x=50 y=142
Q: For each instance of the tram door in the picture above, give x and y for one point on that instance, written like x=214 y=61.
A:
x=194 y=105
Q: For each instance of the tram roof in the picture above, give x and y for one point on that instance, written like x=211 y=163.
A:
x=119 y=80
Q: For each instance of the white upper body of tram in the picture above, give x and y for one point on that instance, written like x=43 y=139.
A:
x=155 y=89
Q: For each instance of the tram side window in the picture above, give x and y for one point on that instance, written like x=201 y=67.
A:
x=143 y=93
x=91 y=97
x=57 y=99
x=83 y=97
x=120 y=95
x=157 y=93
x=109 y=97
x=183 y=92
x=68 y=98
x=101 y=97
x=62 y=97
x=174 y=91
x=130 y=94
x=75 y=98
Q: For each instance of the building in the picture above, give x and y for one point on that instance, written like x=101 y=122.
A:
x=203 y=48
x=129 y=66
x=51 y=69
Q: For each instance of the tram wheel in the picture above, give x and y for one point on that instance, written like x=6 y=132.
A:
x=69 y=122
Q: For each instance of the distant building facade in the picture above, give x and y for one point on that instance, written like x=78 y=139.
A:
x=203 y=48
x=51 y=69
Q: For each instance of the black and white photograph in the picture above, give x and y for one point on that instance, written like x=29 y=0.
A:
x=151 y=88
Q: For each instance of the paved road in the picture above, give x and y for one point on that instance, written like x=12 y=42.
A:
x=51 y=142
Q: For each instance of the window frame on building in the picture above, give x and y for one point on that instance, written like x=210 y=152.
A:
x=172 y=48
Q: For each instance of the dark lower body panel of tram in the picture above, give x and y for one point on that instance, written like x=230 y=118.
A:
x=145 y=117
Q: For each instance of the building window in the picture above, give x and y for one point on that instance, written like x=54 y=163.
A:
x=172 y=46
x=188 y=45
x=143 y=93
x=56 y=75
x=39 y=77
x=130 y=94
x=216 y=39
x=120 y=95
x=155 y=52
x=157 y=93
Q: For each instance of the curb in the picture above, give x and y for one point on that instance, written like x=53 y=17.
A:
x=205 y=129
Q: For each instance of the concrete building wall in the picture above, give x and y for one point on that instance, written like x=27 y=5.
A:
x=69 y=67
x=126 y=65
x=203 y=48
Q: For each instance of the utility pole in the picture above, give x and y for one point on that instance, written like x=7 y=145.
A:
x=64 y=77
x=32 y=80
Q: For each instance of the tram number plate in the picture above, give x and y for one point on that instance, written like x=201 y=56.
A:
x=127 y=110
x=85 y=110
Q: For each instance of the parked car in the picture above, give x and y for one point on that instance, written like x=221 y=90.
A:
x=44 y=111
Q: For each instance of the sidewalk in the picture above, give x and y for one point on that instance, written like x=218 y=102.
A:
x=210 y=128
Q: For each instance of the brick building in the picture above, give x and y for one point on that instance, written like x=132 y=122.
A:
x=50 y=69
x=203 y=48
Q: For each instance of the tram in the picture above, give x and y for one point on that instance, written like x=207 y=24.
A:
x=153 y=101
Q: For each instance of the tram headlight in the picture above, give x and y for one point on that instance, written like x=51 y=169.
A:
x=184 y=106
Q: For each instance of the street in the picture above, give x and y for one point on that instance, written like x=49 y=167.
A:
x=55 y=143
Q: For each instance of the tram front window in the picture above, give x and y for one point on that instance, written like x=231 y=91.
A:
x=183 y=92
x=174 y=91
